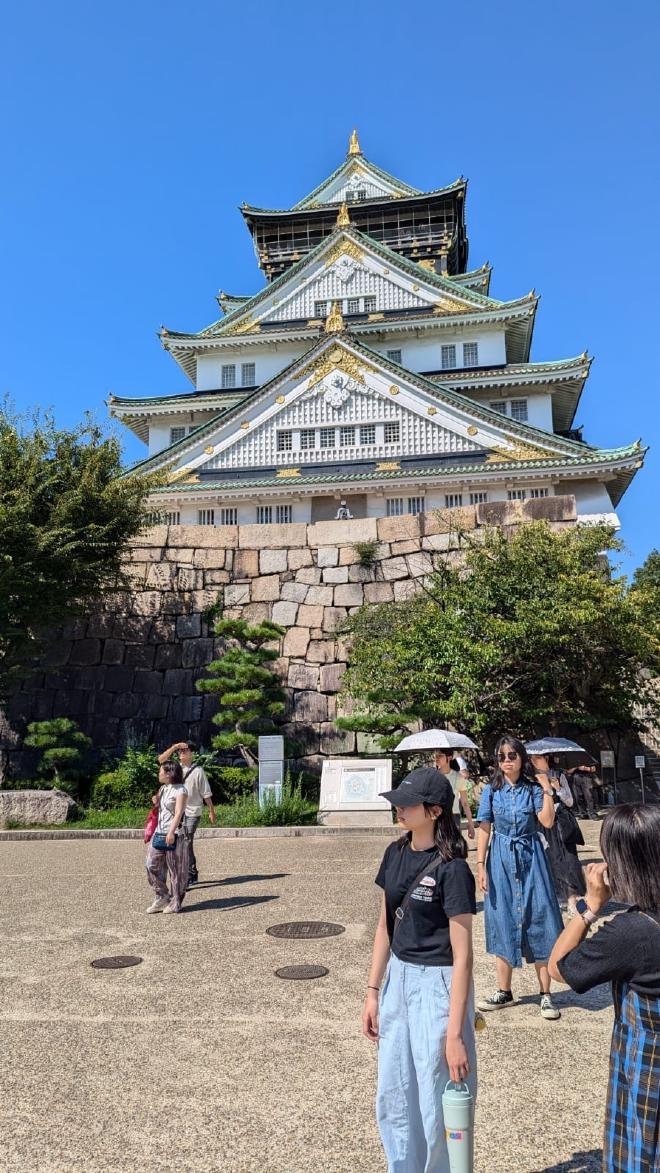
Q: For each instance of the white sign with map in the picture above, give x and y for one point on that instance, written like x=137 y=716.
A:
x=350 y=792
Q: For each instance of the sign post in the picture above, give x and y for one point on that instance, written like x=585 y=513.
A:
x=640 y=764
x=607 y=763
x=271 y=768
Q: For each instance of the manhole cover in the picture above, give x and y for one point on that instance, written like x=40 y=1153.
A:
x=306 y=929
x=115 y=962
x=301 y=973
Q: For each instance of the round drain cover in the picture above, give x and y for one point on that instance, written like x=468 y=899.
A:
x=301 y=973
x=306 y=929
x=115 y=962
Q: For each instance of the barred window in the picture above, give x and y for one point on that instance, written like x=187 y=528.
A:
x=394 y=356
x=415 y=505
x=368 y=434
x=478 y=498
x=326 y=437
x=447 y=357
x=206 y=516
x=499 y=406
x=392 y=431
x=539 y=492
x=228 y=378
x=284 y=441
x=283 y=514
x=361 y=193
x=172 y=517
x=229 y=516
x=346 y=437
x=369 y=305
x=394 y=506
x=248 y=374
x=470 y=354
x=176 y=434
x=516 y=494
x=320 y=309
x=308 y=438
x=519 y=409
x=353 y=306
x=264 y=514
x=453 y=500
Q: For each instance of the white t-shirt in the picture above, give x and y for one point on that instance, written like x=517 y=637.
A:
x=197 y=785
x=167 y=807
x=457 y=784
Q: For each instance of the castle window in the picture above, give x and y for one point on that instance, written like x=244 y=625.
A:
x=369 y=305
x=172 y=517
x=284 y=514
x=320 y=309
x=264 y=514
x=353 y=305
x=228 y=375
x=539 y=492
x=519 y=409
x=326 y=438
x=478 y=498
x=361 y=193
x=176 y=434
x=516 y=495
x=368 y=434
x=470 y=354
x=308 y=438
x=248 y=374
x=447 y=357
x=394 y=506
x=393 y=356
x=392 y=432
x=453 y=500
x=499 y=406
x=346 y=437
x=206 y=516
x=284 y=441
x=229 y=516
x=415 y=505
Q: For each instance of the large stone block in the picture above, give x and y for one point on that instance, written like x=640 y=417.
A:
x=407 y=547
x=349 y=595
x=188 y=577
x=199 y=536
x=327 y=556
x=420 y=564
x=155 y=535
x=57 y=653
x=359 y=573
x=216 y=578
x=210 y=558
x=126 y=704
x=309 y=707
x=320 y=596
x=335 y=574
x=300 y=740
x=35 y=806
x=119 y=679
x=100 y=625
x=299 y=558
x=439 y=541
x=147 y=681
x=331 y=677
x=179 y=554
x=310 y=575
x=85 y=651
x=378 y=592
x=321 y=651
x=396 y=529
x=178 y=681
x=309 y=616
x=334 y=618
x=187 y=708
x=294 y=592
x=267 y=588
x=256 y=612
x=196 y=653
x=285 y=613
x=237 y=594
x=303 y=676
x=342 y=533
x=394 y=568
x=442 y=521
x=553 y=509
x=246 y=564
x=336 y=741
x=147 y=553
x=273 y=537
x=168 y=656
x=405 y=589
x=189 y=626
x=163 y=630
x=159 y=576
x=295 y=642
x=140 y=655
x=272 y=561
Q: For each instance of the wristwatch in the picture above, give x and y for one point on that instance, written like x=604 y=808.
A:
x=585 y=912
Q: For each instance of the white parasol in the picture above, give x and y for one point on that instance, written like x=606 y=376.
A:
x=430 y=739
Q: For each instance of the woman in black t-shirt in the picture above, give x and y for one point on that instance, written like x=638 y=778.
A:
x=422 y=968
x=625 y=951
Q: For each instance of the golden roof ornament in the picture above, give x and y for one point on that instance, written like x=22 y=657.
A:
x=343 y=217
x=334 y=322
x=354 y=147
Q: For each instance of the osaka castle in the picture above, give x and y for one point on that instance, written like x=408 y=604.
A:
x=372 y=375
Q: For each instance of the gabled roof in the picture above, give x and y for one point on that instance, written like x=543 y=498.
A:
x=229 y=302
x=478 y=279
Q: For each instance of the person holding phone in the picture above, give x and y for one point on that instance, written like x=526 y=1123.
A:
x=199 y=792
x=521 y=910
x=626 y=952
x=419 y=1000
x=167 y=853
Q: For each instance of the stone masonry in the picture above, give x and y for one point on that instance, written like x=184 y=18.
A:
x=127 y=673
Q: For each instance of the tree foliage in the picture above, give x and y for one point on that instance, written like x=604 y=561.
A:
x=527 y=634
x=62 y=746
x=647 y=576
x=65 y=518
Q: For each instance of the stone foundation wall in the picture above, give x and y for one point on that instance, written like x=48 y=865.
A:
x=127 y=673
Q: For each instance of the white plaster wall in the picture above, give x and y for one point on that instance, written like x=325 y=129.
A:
x=268 y=362
x=590 y=497
x=424 y=353
x=159 y=429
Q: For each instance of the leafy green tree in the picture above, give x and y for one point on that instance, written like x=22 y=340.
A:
x=647 y=576
x=251 y=699
x=65 y=517
x=62 y=747
x=528 y=634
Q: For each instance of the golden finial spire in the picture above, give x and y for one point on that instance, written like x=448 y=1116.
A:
x=343 y=218
x=334 y=322
x=354 y=147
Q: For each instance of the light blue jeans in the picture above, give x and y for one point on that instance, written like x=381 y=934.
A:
x=412 y=1069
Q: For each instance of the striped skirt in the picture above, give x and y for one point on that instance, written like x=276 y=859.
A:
x=632 y=1122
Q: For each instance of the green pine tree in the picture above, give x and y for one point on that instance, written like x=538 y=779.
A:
x=62 y=746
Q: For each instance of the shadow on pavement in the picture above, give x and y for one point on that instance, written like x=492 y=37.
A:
x=227 y=880
x=228 y=903
x=581 y=1162
x=597 y=999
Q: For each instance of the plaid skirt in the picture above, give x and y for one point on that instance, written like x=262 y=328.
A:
x=632 y=1121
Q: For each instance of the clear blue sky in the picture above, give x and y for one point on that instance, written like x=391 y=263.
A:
x=135 y=130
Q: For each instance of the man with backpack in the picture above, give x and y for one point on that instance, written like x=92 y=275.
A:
x=199 y=792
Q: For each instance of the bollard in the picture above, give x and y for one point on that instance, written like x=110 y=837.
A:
x=458 y=1111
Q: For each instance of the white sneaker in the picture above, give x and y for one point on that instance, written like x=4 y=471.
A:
x=548 y=1008
x=171 y=908
x=159 y=904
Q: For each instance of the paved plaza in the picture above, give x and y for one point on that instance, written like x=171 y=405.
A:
x=201 y=1059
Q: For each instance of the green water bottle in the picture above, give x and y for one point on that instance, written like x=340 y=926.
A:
x=458 y=1111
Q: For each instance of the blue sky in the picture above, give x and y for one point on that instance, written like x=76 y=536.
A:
x=134 y=131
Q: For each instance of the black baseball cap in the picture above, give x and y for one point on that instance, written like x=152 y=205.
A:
x=425 y=784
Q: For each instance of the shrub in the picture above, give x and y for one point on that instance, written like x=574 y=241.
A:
x=62 y=747
x=233 y=782
x=294 y=810
x=131 y=783
x=366 y=553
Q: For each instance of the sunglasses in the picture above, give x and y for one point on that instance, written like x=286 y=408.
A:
x=508 y=757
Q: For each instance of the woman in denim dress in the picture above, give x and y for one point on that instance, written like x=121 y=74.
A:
x=522 y=914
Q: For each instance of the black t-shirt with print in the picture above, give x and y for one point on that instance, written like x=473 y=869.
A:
x=447 y=890
x=625 y=949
